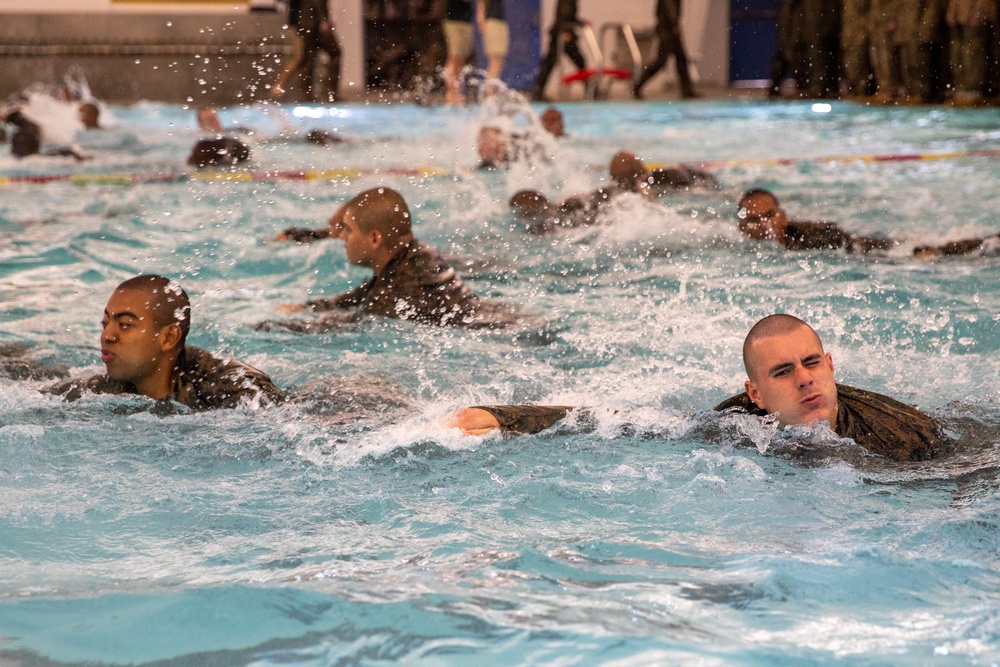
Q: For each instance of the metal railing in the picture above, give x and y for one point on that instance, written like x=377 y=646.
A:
x=620 y=32
x=584 y=32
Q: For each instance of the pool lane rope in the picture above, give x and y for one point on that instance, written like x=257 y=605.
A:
x=427 y=171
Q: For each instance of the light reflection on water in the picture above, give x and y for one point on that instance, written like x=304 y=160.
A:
x=334 y=530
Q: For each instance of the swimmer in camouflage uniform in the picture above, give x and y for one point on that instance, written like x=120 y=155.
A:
x=761 y=217
x=411 y=281
x=145 y=326
x=627 y=172
x=791 y=377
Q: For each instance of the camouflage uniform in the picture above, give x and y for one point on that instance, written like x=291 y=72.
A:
x=920 y=39
x=968 y=22
x=880 y=424
x=417 y=284
x=883 y=28
x=854 y=39
x=201 y=381
x=526 y=418
x=807 y=235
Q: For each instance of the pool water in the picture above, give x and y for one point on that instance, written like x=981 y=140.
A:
x=352 y=528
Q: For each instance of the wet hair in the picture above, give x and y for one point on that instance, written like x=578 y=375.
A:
x=772 y=325
x=529 y=204
x=383 y=210
x=625 y=169
x=757 y=192
x=90 y=115
x=26 y=141
x=222 y=151
x=168 y=303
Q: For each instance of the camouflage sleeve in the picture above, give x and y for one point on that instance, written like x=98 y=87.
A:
x=815 y=236
x=963 y=247
x=303 y=235
x=237 y=383
x=886 y=426
x=866 y=244
x=349 y=299
x=526 y=418
x=98 y=384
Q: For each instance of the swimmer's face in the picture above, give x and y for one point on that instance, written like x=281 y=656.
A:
x=761 y=218
x=133 y=346
x=792 y=377
x=359 y=246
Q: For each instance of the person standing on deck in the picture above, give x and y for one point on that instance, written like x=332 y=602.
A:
x=562 y=31
x=670 y=42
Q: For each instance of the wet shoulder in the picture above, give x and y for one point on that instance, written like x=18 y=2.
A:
x=886 y=426
x=424 y=264
x=209 y=381
x=811 y=235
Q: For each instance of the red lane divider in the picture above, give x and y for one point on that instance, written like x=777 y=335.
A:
x=428 y=171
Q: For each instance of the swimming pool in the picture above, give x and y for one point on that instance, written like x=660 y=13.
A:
x=352 y=530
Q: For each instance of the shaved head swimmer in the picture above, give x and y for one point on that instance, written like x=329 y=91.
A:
x=374 y=227
x=789 y=373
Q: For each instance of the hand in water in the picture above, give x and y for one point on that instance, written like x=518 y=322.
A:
x=291 y=308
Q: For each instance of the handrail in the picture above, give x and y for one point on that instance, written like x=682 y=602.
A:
x=625 y=30
x=584 y=31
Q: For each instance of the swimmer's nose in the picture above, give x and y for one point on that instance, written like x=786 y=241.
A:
x=108 y=334
x=803 y=376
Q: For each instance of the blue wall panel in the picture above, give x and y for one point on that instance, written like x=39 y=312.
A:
x=753 y=39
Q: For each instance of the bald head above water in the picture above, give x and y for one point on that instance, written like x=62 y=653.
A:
x=770 y=326
x=626 y=168
x=552 y=122
x=383 y=210
x=529 y=204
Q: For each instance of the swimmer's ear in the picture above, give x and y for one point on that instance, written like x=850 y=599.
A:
x=376 y=238
x=170 y=337
x=754 y=395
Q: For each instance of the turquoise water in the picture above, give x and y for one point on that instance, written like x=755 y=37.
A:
x=351 y=528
